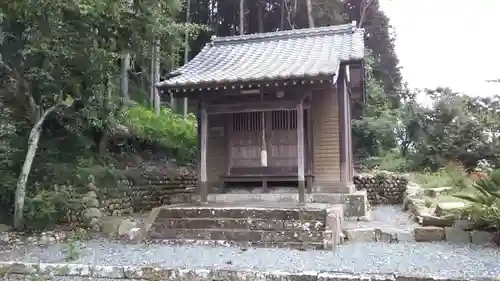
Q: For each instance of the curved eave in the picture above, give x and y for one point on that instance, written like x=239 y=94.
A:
x=241 y=84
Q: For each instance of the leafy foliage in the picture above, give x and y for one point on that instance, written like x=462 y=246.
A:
x=47 y=208
x=390 y=161
x=374 y=131
x=453 y=129
x=452 y=175
x=168 y=129
x=52 y=51
x=484 y=199
x=487 y=190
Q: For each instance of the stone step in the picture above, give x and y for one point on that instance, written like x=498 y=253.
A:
x=241 y=235
x=245 y=245
x=262 y=223
x=355 y=204
x=242 y=212
x=245 y=223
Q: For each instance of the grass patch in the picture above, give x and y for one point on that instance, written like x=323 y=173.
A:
x=391 y=161
x=452 y=176
x=432 y=180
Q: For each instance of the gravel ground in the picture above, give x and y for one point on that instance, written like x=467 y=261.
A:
x=385 y=216
x=443 y=258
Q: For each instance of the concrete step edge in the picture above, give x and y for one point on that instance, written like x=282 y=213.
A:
x=243 y=224
x=242 y=244
x=244 y=235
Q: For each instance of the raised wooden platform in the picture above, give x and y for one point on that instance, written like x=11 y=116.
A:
x=264 y=175
x=265 y=224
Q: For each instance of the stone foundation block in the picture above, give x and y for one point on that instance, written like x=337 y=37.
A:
x=457 y=235
x=340 y=276
x=429 y=220
x=406 y=236
x=481 y=237
x=355 y=204
x=116 y=272
x=429 y=234
x=19 y=267
x=360 y=234
x=49 y=269
x=147 y=272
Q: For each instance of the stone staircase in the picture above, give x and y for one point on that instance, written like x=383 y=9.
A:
x=264 y=224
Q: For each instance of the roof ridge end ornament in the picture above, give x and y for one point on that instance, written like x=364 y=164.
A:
x=354 y=26
x=212 y=39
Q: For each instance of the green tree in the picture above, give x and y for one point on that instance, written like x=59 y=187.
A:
x=451 y=130
x=56 y=52
x=375 y=130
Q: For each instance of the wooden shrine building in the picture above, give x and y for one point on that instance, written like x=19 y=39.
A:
x=276 y=107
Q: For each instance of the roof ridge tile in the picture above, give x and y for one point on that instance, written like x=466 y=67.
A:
x=285 y=34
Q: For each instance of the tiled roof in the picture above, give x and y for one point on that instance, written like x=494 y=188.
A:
x=293 y=54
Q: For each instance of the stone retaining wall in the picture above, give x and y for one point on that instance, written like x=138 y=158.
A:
x=173 y=274
x=420 y=234
x=117 y=200
x=142 y=191
x=382 y=188
x=138 y=192
x=162 y=190
x=452 y=234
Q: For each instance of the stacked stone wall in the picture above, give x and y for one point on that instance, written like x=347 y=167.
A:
x=117 y=200
x=145 y=189
x=382 y=188
x=158 y=190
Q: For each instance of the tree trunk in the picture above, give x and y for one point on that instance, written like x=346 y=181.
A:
x=242 y=17
x=282 y=20
x=124 y=77
x=291 y=11
x=20 y=195
x=152 y=75
x=186 y=55
x=260 y=15
x=363 y=10
x=157 y=77
x=103 y=142
x=309 y=13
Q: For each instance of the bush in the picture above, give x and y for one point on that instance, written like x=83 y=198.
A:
x=484 y=216
x=48 y=208
x=168 y=129
x=484 y=199
x=391 y=161
x=451 y=176
x=57 y=163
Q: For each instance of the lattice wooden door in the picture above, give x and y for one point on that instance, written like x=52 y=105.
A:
x=246 y=139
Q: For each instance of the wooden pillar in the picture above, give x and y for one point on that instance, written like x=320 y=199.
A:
x=229 y=143
x=350 y=159
x=343 y=138
x=300 y=152
x=310 y=151
x=203 y=136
